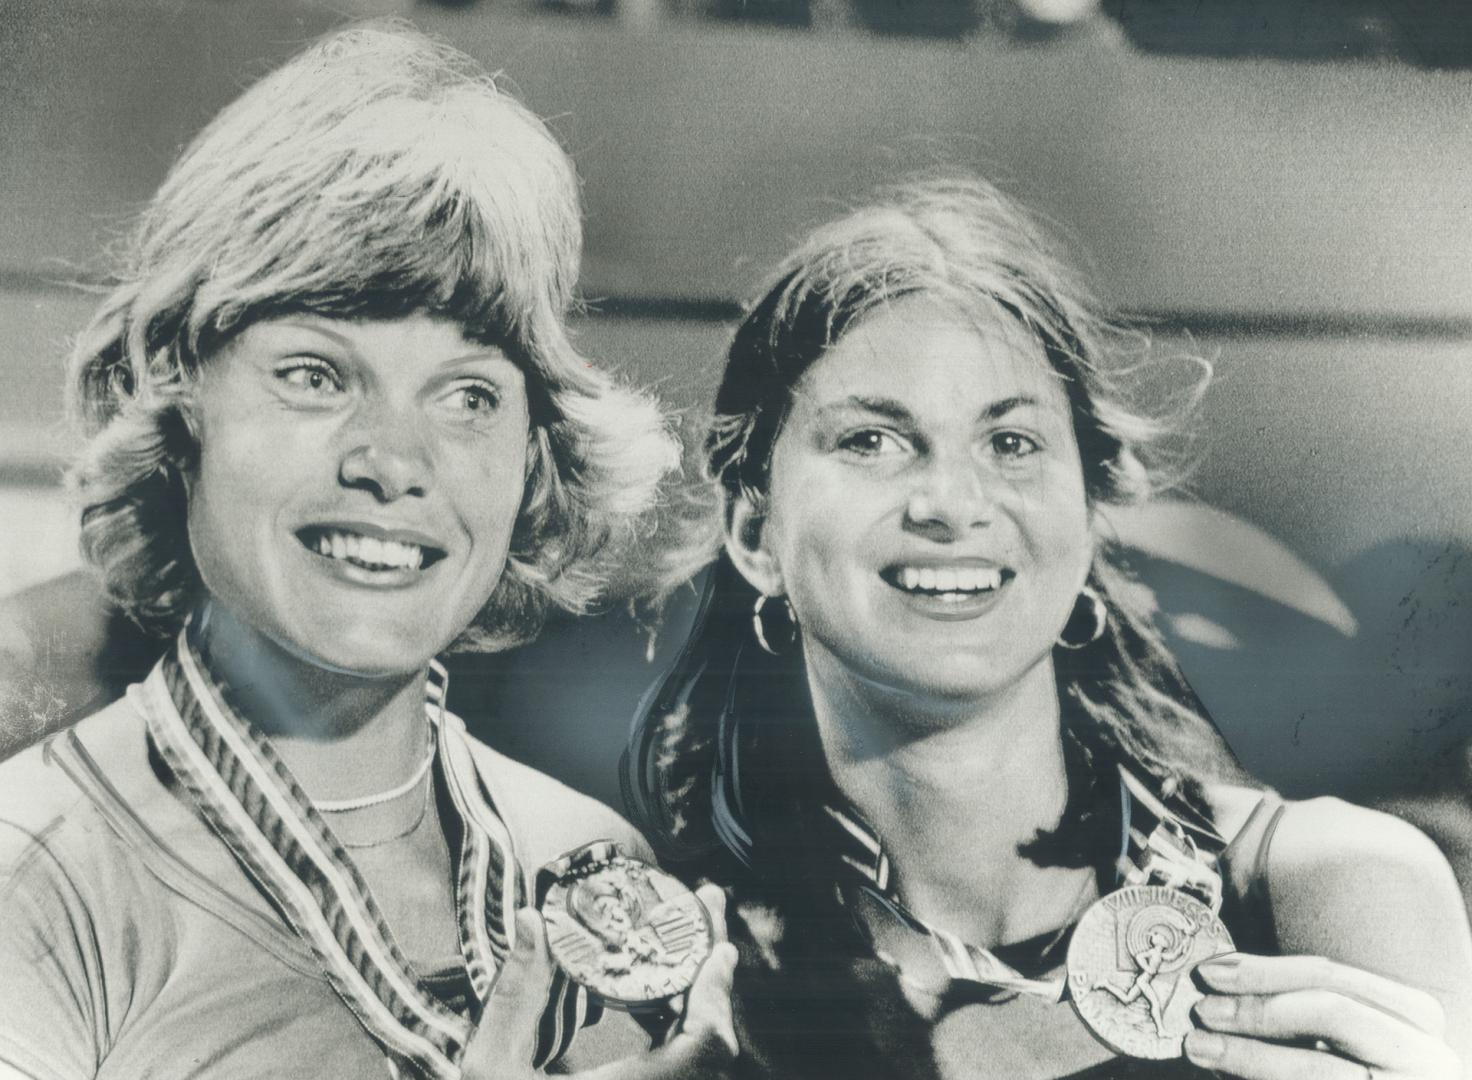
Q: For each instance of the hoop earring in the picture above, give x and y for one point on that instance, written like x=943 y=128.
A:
x=1098 y=618
x=758 y=628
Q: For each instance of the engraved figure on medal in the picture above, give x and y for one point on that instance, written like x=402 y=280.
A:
x=627 y=931
x=1130 y=963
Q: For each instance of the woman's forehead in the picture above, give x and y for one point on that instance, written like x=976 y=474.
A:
x=936 y=356
x=415 y=336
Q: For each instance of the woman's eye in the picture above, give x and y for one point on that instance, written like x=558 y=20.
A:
x=314 y=377
x=475 y=400
x=870 y=442
x=1013 y=444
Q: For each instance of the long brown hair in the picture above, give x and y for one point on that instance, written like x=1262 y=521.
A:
x=961 y=242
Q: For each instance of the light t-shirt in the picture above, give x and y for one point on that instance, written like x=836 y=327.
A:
x=132 y=944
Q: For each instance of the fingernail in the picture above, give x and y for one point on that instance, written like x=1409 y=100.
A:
x=1222 y=970
x=1216 y=1010
x=1205 y=1047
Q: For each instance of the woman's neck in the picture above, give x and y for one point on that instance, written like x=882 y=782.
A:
x=953 y=790
x=342 y=735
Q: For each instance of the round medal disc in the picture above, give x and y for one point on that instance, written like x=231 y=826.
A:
x=629 y=932
x=1130 y=963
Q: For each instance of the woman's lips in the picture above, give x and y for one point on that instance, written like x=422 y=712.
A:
x=945 y=579
x=382 y=560
x=958 y=590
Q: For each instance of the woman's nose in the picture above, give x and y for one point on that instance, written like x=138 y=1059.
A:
x=950 y=498
x=387 y=457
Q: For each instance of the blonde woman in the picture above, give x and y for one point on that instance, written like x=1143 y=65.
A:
x=336 y=428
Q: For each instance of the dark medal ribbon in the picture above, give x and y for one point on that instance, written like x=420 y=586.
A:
x=1158 y=848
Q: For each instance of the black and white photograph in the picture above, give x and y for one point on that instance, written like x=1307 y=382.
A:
x=736 y=539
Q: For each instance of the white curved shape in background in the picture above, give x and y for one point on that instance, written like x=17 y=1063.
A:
x=1222 y=545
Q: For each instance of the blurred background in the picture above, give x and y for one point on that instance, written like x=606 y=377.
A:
x=1283 y=188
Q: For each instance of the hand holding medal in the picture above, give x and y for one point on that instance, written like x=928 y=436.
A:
x=616 y=926
x=1292 y=1017
x=628 y=932
x=1153 y=972
x=1130 y=963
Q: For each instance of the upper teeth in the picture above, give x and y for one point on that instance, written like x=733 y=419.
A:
x=336 y=544
x=961 y=579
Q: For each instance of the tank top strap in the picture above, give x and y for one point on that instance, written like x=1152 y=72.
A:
x=1247 y=906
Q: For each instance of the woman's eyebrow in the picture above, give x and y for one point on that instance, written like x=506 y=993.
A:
x=489 y=353
x=888 y=408
x=998 y=409
x=312 y=326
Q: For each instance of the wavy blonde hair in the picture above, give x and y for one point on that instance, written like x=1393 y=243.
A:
x=377 y=174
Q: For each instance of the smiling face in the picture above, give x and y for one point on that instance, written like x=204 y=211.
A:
x=926 y=514
x=357 y=484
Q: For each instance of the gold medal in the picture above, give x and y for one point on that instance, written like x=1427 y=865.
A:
x=625 y=930
x=1130 y=963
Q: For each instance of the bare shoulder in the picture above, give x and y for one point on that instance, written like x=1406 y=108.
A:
x=1367 y=889
x=546 y=817
x=1231 y=805
x=1327 y=835
x=1327 y=838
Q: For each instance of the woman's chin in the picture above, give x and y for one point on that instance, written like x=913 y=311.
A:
x=363 y=654
x=945 y=682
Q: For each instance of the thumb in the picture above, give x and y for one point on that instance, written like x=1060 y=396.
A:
x=504 y=1042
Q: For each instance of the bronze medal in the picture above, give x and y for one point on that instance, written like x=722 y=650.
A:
x=1130 y=963
x=625 y=930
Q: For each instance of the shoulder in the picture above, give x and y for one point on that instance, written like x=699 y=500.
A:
x=1367 y=889
x=69 y=880
x=1371 y=891
x=1327 y=836
x=1328 y=855
x=546 y=817
x=41 y=803
x=1326 y=841
x=1231 y=805
x=36 y=791
x=64 y=652
x=82 y=917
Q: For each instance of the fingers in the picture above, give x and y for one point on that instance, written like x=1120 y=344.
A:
x=1243 y=973
x=713 y=898
x=705 y=1045
x=1349 y=1027
x=1252 y=1059
x=505 y=1041
x=1359 y=1020
x=708 y=1005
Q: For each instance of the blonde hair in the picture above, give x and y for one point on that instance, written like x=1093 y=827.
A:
x=377 y=174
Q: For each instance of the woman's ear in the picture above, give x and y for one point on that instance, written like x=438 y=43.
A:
x=747 y=545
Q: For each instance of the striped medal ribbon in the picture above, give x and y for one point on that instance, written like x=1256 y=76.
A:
x=1156 y=847
x=247 y=795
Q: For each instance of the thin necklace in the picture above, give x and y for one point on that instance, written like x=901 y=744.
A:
x=362 y=802
x=409 y=830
